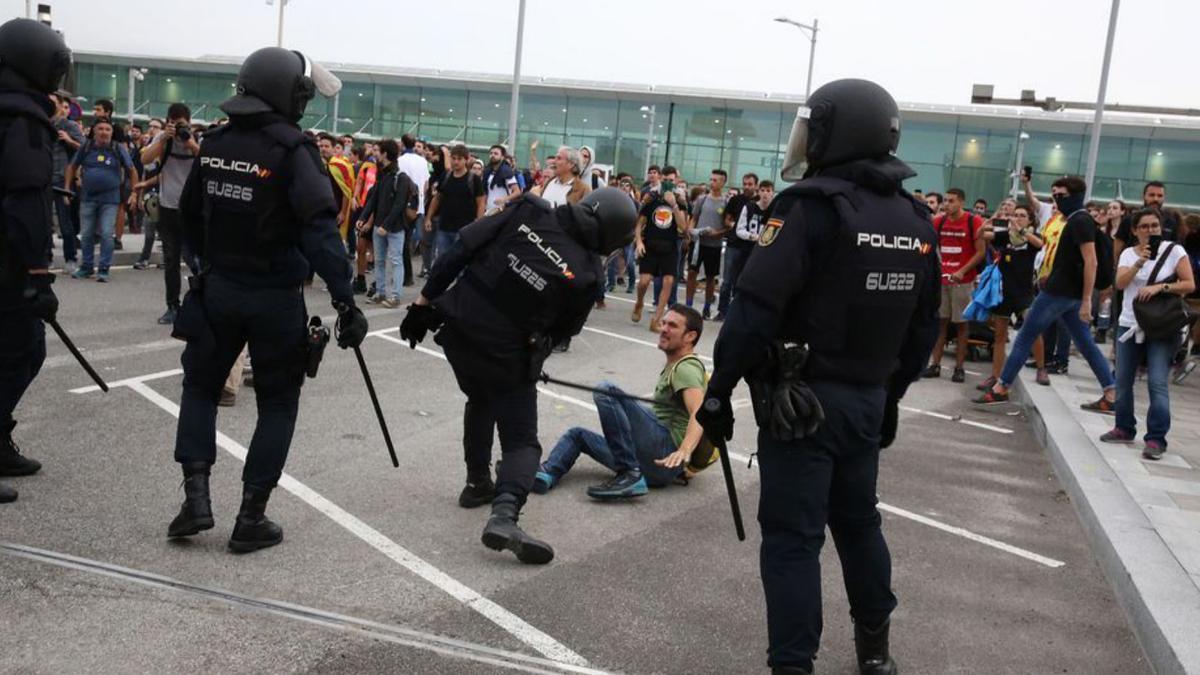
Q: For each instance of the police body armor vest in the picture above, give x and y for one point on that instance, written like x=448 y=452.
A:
x=26 y=163
x=243 y=176
x=855 y=310
x=533 y=269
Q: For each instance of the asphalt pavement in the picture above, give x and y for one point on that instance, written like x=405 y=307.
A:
x=381 y=571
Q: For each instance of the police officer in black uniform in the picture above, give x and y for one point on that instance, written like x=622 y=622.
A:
x=258 y=211
x=523 y=281
x=33 y=61
x=836 y=312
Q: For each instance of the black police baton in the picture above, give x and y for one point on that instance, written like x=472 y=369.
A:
x=62 y=335
x=387 y=437
x=603 y=392
x=711 y=406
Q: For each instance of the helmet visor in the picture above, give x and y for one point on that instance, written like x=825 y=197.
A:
x=327 y=84
x=795 y=162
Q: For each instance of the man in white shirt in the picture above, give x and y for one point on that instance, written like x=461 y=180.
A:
x=414 y=165
x=499 y=180
x=566 y=187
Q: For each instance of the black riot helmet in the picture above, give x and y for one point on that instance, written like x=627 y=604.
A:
x=842 y=121
x=606 y=218
x=274 y=79
x=32 y=55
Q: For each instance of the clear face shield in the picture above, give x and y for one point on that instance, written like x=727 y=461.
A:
x=326 y=83
x=795 y=161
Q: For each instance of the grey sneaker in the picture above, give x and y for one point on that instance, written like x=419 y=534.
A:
x=1154 y=450
x=391 y=303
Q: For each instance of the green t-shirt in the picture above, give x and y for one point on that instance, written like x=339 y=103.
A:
x=668 y=406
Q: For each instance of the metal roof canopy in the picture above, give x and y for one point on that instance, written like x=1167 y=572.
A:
x=1071 y=122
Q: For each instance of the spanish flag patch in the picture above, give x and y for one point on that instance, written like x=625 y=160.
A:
x=770 y=231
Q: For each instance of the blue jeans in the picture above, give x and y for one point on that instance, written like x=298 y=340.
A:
x=630 y=269
x=442 y=241
x=735 y=260
x=66 y=227
x=389 y=248
x=1158 y=355
x=1045 y=310
x=93 y=215
x=633 y=438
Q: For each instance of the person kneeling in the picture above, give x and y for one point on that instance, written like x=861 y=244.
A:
x=644 y=446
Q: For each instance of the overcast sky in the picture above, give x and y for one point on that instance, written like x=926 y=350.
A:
x=925 y=51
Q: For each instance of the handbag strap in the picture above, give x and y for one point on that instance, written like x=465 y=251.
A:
x=1162 y=258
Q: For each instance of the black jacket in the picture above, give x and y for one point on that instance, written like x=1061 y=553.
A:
x=25 y=173
x=392 y=194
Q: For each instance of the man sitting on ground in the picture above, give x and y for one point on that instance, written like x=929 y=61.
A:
x=644 y=447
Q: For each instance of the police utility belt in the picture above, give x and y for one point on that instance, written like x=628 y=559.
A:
x=192 y=326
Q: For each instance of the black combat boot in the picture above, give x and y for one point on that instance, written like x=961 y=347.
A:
x=7 y=494
x=871 y=645
x=790 y=670
x=195 y=515
x=502 y=532
x=479 y=490
x=12 y=462
x=360 y=284
x=253 y=530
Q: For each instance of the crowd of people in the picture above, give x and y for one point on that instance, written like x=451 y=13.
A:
x=1073 y=272
x=407 y=198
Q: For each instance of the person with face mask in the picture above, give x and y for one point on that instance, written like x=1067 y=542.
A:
x=511 y=287
x=258 y=211
x=835 y=315
x=1066 y=296
x=33 y=62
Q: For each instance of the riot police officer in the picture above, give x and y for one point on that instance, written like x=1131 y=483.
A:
x=523 y=281
x=836 y=312
x=258 y=211
x=33 y=61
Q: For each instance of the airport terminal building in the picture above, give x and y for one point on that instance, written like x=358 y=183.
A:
x=969 y=146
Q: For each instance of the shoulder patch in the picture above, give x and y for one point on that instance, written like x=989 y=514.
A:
x=770 y=231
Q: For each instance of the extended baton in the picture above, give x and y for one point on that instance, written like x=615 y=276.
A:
x=62 y=335
x=712 y=405
x=387 y=437
x=604 y=392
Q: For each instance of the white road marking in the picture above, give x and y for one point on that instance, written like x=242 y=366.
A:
x=610 y=296
x=956 y=418
x=634 y=340
x=372 y=629
x=109 y=353
x=903 y=513
x=960 y=420
x=132 y=380
x=967 y=534
x=510 y=622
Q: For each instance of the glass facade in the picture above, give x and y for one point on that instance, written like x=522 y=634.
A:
x=975 y=152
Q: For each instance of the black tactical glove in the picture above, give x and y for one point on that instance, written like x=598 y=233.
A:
x=795 y=411
x=418 y=322
x=891 y=418
x=351 y=327
x=716 y=416
x=43 y=303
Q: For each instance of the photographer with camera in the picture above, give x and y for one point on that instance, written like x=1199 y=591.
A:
x=175 y=150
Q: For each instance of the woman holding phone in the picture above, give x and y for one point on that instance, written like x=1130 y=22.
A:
x=1174 y=275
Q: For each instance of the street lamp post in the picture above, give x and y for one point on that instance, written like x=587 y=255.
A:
x=279 y=28
x=135 y=75
x=1094 y=146
x=649 y=110
x=516 y=84
x=1016 y=176
x=809 y=32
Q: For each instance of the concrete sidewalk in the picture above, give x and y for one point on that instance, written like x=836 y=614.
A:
x=1142 y=516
